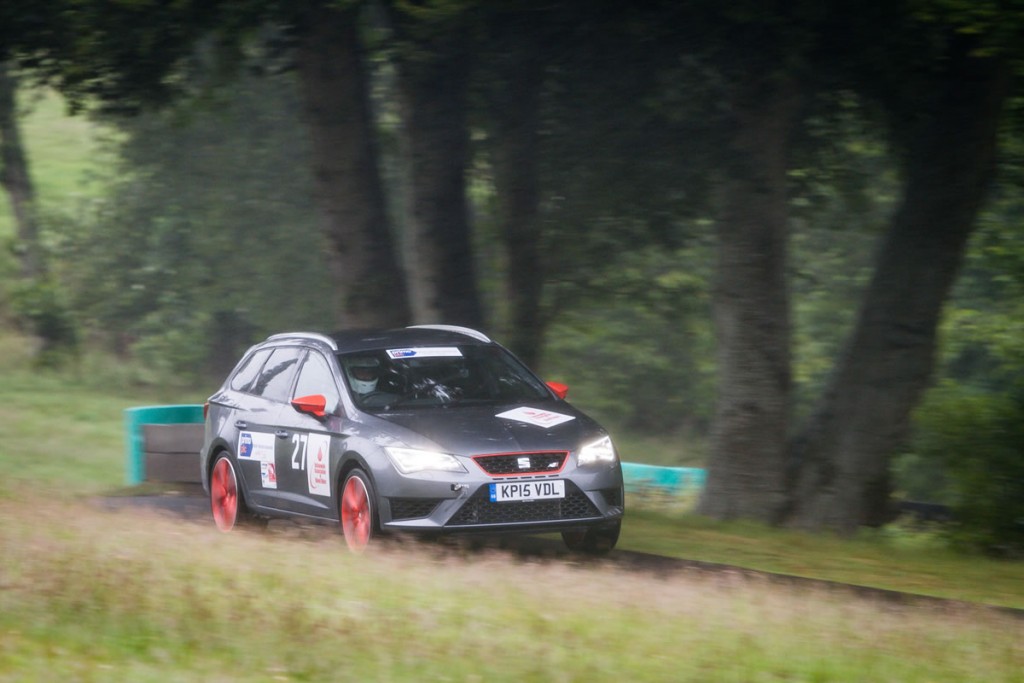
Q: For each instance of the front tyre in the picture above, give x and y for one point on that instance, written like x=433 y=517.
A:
x=358 y=508
x=596 y=540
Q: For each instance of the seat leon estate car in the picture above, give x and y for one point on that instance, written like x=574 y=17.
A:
x=429 y=429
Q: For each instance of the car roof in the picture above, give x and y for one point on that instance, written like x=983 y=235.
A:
x=347 y=341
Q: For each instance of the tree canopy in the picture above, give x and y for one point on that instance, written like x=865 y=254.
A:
x=741 y=219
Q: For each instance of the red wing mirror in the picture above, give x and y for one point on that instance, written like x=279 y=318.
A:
x=314 y=404
x=561 y=390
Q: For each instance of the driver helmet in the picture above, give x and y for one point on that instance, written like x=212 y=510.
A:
x=363 y=374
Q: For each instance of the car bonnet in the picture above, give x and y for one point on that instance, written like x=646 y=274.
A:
x=476 y=430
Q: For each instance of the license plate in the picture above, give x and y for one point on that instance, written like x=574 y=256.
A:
x=527 y=490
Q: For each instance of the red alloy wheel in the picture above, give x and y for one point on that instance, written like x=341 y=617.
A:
x=356 y=512
x=224 y=494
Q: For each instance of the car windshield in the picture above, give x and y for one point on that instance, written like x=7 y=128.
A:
x=412 y=377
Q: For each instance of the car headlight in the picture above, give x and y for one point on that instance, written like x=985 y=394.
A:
x=600 y=452
x=409 y=460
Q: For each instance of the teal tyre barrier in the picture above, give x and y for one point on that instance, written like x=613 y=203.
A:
x=667 y=479
x=636 y=476
x=135 y=418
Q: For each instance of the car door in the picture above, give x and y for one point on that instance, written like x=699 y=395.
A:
x=259 y=429
x=305 y=468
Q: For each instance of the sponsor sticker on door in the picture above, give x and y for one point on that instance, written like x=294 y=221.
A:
x=318 y=471
x=268 y=475
x=256 y=446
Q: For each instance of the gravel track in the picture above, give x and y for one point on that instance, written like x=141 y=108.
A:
x=193 y=505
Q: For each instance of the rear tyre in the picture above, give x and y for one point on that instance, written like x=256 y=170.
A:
x=358 y=510
x=597 y=540
x=225 y=498
x=227 y=502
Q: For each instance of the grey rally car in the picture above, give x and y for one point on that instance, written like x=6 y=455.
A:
x=432 y=428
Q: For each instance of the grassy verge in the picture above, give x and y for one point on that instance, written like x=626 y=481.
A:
x=96 y=595
x=66 y=430
x=895 y=558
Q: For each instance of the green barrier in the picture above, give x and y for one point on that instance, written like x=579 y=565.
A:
x=669 y=479
x=635 y=475
x=134 y=418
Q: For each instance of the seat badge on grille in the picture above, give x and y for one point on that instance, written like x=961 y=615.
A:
x=524 y=462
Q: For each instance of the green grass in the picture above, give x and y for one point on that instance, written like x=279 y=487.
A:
x=66 y=154
x=66 y=429
x=68 y=158
x=95 y=595
x=894 y=558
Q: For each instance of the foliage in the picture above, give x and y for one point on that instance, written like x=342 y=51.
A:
x=842 y=189
x=967 y=451
x=123 y=55
x=637 y=348
x=207 y=238
x=979 y=441
x=41 y=307
x=984 y=331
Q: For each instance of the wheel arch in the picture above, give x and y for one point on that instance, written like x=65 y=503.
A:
x=216 y=449
x=210 y=453
x=351 y=460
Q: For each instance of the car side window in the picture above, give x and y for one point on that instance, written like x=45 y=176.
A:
x=247 y=372
x=316 y=377
x=275 y=381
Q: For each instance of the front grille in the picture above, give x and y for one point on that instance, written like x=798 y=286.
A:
x=522 y=463
x=412 y=508
x=479 y=509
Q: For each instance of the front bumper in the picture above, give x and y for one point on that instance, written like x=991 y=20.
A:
x=468 y=507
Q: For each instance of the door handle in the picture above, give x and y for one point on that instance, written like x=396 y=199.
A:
x=281 y=434
x=242 y=424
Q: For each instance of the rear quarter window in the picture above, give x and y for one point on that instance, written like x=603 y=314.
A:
x=248 y=369
x=275 y=380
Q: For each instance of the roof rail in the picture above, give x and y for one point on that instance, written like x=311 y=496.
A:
x=315 y=336
x=469 y=332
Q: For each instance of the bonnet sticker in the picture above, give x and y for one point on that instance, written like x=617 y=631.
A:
x=534 y=416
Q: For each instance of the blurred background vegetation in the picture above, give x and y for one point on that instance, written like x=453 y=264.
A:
x=176 y=236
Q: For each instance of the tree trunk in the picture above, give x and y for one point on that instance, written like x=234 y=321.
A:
x=751 y=315
x=432 y=84
x=15 y=178
x=843 y=453
x=346 y=172
x=515 y=145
